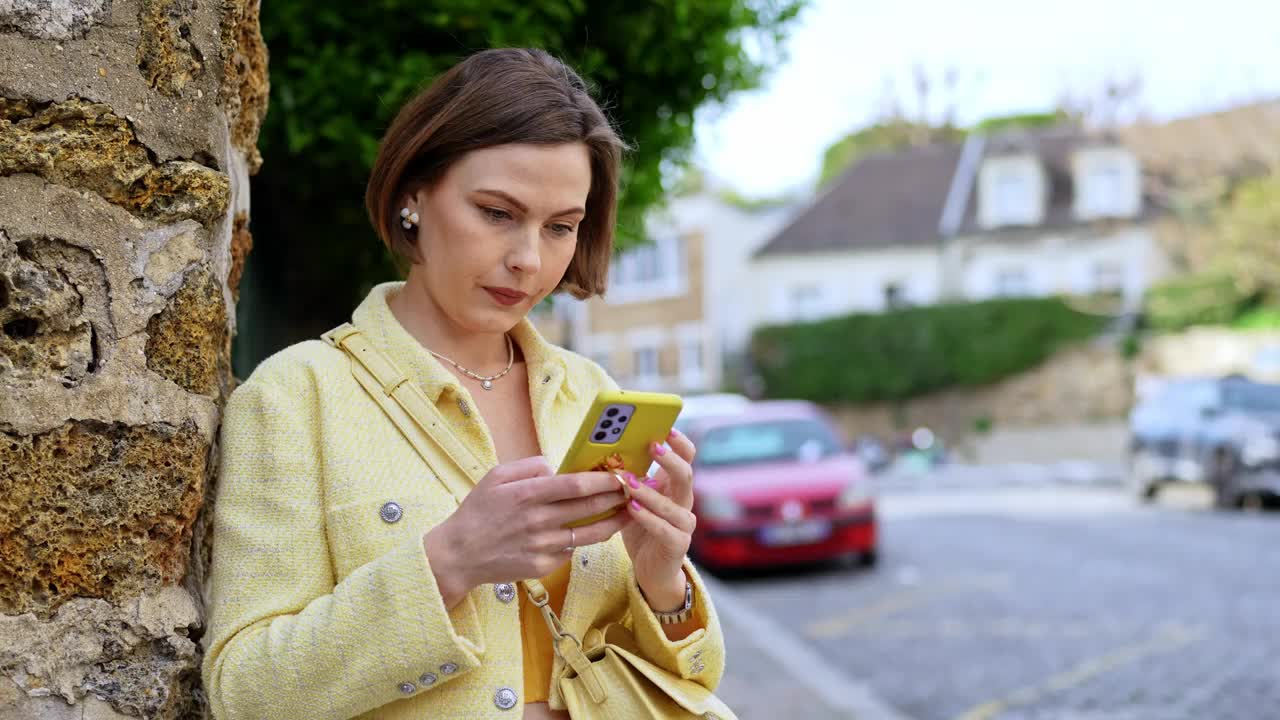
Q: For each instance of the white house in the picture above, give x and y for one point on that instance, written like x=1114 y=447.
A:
x=1031 y=213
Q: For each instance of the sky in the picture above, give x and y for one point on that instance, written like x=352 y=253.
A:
x=1008 y=56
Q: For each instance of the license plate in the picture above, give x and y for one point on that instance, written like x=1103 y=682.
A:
x=800 y=533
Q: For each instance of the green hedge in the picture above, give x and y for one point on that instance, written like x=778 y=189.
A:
x=1204 y=299
x=905 y=353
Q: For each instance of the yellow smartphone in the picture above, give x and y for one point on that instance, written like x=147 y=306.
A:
x=615 y=435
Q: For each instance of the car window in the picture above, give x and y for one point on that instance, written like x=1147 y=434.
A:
x=1252 y=396
x=804 y=440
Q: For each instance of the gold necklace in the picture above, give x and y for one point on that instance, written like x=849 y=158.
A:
x=485 y=382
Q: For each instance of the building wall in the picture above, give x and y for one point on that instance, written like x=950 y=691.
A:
x=809 y=287
x=1126 y=259
x=616 y=328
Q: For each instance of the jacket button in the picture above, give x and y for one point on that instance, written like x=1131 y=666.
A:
x=506 y=592
x=407 y=688
x=448 y=669
x=391 y=512
x=505 y=698
x=427 y=679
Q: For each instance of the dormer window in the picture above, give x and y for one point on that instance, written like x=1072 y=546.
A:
x=1106 y=183
x=1011 y=191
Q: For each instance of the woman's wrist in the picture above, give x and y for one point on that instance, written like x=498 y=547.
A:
x=450 y=576
x=666 y=595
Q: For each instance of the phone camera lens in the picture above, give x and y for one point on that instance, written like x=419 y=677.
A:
x=622 y=419
x=615 y=431
x=611 y=412
x=601 y=436
x=606 y=423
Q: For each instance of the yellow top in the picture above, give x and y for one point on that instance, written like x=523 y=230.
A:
x=538 y=650
x=321 y=602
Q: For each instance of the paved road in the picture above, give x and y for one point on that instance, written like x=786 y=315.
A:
x=1062 y=603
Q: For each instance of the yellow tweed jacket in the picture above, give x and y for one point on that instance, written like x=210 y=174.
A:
x=321 y=601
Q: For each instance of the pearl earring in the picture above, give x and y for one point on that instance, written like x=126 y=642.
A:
x=408 y=219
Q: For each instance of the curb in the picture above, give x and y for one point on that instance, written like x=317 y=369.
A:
x=847 y=697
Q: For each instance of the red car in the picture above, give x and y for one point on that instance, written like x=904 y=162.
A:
x=774 y=485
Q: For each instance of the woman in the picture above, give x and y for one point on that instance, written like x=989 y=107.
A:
x=346 y=581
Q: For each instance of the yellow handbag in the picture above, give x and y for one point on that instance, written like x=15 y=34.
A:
x=606 y=678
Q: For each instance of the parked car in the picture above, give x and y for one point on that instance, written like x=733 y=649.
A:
x=1225 y=432
x=710 y=404
x=775 y=486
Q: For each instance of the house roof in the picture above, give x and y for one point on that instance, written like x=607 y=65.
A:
x=891 y=199
x=1054 y=148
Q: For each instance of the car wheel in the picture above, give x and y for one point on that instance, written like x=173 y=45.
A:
x=1222 y=478
x=869 y=558
x=1143 y=487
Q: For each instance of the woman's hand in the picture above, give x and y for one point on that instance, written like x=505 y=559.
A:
x=659 y=537
x=511 y=525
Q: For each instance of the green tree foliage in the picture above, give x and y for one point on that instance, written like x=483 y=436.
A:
x=340 y=70
x=883 y=136
x=898 y=134
x=1248 y=224
x=901 y=354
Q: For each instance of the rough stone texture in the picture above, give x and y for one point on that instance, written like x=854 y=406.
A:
x=188 y=341
x=1207 y=351
x=135 y=656
x=52 y=19
x=166 y=56
x=1080 y=385
x=103 y=68
x=127 y=134
x=96 y=510
x=144 y=263
x=241 y=244
x=43 y=329
x=85 y=145
x=245 y=87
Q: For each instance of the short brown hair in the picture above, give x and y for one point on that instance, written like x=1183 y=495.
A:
x=496 y=97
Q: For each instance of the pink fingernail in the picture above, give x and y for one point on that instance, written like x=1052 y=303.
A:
x=636 y=505
x=674 y=433
x=632 y=481
x=628 y=475
x=651 y=482
x=659 y=450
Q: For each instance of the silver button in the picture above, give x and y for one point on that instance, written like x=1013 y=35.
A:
x=584 y=560
x=407 y=687
x=391 y=512
x=546 y=380
x=462 y=405
x=427 y=679
x=505 y=698
x=506 y=592
x=448 y=669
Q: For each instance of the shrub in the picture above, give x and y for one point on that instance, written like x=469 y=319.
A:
x=905 y=353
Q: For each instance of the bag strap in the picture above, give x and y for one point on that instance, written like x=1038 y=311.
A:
x=423 y=426
x=391 y=389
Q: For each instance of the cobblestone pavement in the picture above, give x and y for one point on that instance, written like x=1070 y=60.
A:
x=1050 y=603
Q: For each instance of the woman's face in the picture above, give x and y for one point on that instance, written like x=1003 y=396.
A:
x=497 y=232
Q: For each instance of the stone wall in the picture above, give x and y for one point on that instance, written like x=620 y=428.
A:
x=127 y=136
x=1087 y=386
x=1077 y=386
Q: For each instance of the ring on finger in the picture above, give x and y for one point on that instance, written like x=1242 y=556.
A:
x=572 y=542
